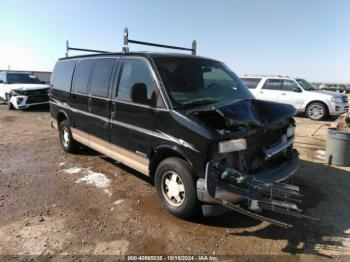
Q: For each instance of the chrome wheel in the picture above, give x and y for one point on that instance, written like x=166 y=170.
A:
x=65 y=137
x=316 y=111
x=173 y=188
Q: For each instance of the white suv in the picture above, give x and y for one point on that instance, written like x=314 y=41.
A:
x=21 y=90
x=298 y=92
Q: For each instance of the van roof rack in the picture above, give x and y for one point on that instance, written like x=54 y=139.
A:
x=127 y=41
x=126 y=47
x=68 y=48
x=262 y=75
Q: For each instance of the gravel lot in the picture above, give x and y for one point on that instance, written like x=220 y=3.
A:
x=53 y=203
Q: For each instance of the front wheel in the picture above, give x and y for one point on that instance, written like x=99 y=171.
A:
x=176 y=187
x=316 y=111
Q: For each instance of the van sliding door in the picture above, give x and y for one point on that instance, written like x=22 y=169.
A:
x=99 y=103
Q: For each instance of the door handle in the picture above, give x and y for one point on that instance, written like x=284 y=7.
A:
x=283 y=94
x=89 y=104
x=261 y=92
x=113 y=110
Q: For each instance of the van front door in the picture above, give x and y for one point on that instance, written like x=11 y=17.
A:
x=133 y=115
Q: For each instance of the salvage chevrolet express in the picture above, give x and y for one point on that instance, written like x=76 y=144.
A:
x=188 y=122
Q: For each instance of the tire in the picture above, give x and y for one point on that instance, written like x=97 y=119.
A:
x=316 y=111
x=66 y=139
x=174 y=174
x=10 y=106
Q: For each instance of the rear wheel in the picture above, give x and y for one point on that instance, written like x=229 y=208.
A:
x=176 y=187
x=66 y=139
x=316 y=111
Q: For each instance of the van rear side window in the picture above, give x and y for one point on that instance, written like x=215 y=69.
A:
x=81 y=76
x=62 y=77
x=101 y=77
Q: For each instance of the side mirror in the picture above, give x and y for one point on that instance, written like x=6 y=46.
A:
x=139 y=93
x=297 y=89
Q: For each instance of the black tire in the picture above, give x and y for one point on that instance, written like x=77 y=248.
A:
x=189 y=206
x=316 y=111
x=10 y=106
x=66 y=139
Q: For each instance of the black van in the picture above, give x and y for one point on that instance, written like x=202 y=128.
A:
x=186 y=121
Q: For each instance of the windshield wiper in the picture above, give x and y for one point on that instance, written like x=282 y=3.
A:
x=199 y=102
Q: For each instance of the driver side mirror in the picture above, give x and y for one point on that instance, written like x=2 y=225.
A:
x=297 y=90
x=139 y=93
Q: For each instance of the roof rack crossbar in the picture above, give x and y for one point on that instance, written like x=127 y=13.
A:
x=68 y=48
x=127 y=41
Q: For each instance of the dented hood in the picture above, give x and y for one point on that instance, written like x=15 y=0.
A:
x=247 y=112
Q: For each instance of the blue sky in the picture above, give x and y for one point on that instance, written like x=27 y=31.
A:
x=301 y=38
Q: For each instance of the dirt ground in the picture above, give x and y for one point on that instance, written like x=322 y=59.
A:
x=53 y=203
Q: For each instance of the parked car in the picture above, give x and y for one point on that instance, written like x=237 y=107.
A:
x=317 y=104
x=340 y=88
x=186 y=121
x=21 y=90
x=347 y=88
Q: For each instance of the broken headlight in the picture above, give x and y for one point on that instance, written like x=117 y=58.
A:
x=232 y=145
x=17 y=92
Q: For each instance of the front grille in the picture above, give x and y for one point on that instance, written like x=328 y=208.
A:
x=254 y=157
x=345 y=99
x=37 y=99
x=39 y=92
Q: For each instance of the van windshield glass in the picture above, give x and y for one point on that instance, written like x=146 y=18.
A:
x=306 y=85
x=20 y=78
x=197 y=82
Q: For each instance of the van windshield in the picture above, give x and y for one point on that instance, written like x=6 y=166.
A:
x=197 y=82
x=22 y=78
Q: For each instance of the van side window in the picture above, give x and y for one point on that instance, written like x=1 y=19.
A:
x=273 y=84
x=81 y=76
x=62 y=78
x=101 y=77
x=136 y=82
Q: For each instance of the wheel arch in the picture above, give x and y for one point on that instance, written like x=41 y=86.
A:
x=61 y=116
x=165 y=151
x=317 y=101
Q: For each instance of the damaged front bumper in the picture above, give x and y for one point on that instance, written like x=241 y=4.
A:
x=251 y=194
x=277 y=174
